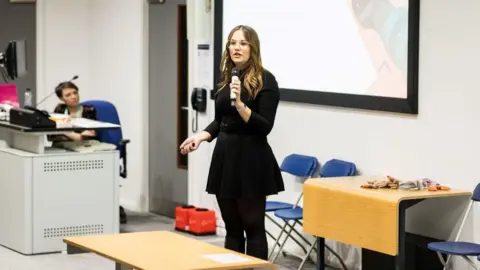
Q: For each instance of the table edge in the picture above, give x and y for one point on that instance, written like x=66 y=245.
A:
x=220 y=267
x=76 y=245
x=434 y=194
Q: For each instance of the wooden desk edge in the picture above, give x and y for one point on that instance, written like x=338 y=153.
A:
x=245 y=266
x=439 y=194
x=314 y=182
x=83 y=249
x=76 y=246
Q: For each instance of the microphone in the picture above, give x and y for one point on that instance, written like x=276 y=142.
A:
x=233 y=96
x=53 y=92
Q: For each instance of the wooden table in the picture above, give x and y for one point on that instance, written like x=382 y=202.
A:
x=374 y=219
x=161 y=250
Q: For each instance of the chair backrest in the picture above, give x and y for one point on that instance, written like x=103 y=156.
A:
x=338 y=168
x=299 y=165
x=106 y=112
x=476 y=194
x=475 y=198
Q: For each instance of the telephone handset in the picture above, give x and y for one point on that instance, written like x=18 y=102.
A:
x=199 y=104
x=199 y=99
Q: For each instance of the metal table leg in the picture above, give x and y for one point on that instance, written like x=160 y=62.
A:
x=320 y=253
x=400 y=259
x=119 y=266
x=75 y=250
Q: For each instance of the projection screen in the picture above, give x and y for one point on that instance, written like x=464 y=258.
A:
x=347 y=53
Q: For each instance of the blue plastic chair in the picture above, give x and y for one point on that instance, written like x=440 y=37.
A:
x=106 y=112
x=299 y=166
x=338 y=168
x=296 y=165
x=459 y=248
x=332 y=168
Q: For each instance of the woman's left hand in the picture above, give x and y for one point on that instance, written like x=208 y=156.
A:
x=235 y=87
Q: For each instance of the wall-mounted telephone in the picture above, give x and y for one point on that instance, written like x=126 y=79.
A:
x=199 y=104
x=199 y=99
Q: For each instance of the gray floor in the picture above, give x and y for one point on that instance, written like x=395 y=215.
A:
x=11 y=260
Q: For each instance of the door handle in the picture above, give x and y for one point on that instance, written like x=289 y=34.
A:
x=184 y=108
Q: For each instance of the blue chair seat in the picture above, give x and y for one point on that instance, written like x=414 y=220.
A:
x=456 y=248
x=274 y=206
x=289 y=214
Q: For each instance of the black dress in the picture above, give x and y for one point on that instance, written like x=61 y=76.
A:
x=243 y=164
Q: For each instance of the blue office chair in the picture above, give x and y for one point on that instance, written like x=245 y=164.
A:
x=459 y=248
x=106 y=112
x=332 y=168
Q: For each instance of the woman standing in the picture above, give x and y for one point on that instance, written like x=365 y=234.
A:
x=243 y=170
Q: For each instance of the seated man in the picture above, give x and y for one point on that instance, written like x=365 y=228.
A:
x=67 y=92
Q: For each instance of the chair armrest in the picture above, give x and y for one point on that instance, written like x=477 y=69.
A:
x=123 y=145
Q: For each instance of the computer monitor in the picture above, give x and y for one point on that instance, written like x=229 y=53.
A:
x=13 y=62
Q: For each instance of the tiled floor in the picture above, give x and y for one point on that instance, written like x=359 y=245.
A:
x=10 y=260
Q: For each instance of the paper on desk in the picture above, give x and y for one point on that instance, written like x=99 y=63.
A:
x=87 y=123
x=226 y=258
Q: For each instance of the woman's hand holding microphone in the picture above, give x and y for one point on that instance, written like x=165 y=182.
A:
x=235 y=87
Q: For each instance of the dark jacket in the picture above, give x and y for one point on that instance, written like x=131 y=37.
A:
x=88 y=112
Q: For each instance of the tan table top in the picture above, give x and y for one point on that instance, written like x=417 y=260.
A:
x=338 y=208
x=161 y=250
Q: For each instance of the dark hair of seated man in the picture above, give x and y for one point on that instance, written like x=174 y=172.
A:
x=67 y=92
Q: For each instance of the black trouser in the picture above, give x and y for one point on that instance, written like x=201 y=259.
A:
x=245 y=215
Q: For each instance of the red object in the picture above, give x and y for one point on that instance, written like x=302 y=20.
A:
x=182 y=217
x=202 y=222
x=8 y=95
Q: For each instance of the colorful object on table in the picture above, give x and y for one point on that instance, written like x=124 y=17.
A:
x=412 y=185
x=389 y=182
x=8 y=95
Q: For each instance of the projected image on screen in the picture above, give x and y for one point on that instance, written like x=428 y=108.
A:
x=340 y=46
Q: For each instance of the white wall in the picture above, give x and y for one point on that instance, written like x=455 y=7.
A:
x=440 y=143
x=200 y=31
x=105 y=43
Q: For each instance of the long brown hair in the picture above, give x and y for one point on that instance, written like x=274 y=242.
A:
x=252 y=78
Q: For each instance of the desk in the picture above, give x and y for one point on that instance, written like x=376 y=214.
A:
x=373 y=219
x=33 y=140
x=159 y=250
x=46 y=195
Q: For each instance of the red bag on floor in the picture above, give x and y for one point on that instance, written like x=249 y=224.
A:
x=182 y=217
x=202 y=222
